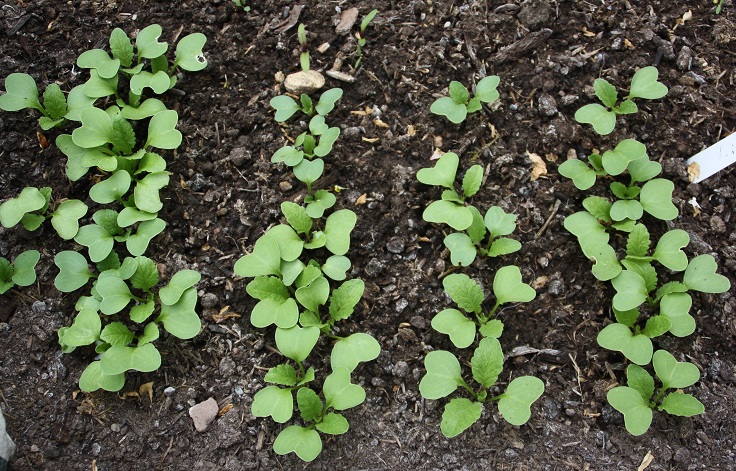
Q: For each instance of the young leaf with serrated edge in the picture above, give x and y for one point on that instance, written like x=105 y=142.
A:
x=638 y=242
x=344 y=299
x=472 y=180
x=464 y=292
x=281 y=374
x=333 y=424
x=681 y=404
x=638 y=378
x=487 y=362
x=309 y=404
x=297 y=217
x=146 y=275
x=116 y=333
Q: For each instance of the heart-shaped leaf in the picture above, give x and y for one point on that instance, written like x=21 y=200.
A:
x=459 y=414
x=309 y=171
x=626 y=209
x=701 y=275
x=306 y=443
x=84 y=330
x=333 y=424
x=12 y=211
x=264 y=260
x=74 y=272
x=147 y=42
x=582 y=176
x=98 y=87
x=296 y=342
x=138 y=243
x=189 y=54
x=508 y=287
x=443 y=173
x=285 y=107
x=274 y=402
x=118 y=359
x=672 y=373
x=115 y=295
x=354 y=349
x=99 y=60
x=454 y=323
x=617 y=337
x=96 y=129
x=485 y=89
x=644 y=84
x=603 y=121
x=498 y=222
x=636 y=411
x=97 y=240
x=162 y=132
x=668 y=251
x=681 y=404
x=443 y=377
x=448 y=107
x=453 y=214
x=337 y=231
x=587 y=229
x=616 y=160
x=20 y=93
x=111 y=189
x=336 y=267
x=146 y=192
x=515 y=403
x=676 y=307
x=314 y=295
x=642 y=170
x=284 y=313
x=606 y=265
x=66 y=218
x=339 y=392
x=492 y=328
x=180 y=282
x=631 y=290
x=24 y=267
x=93 y=379
x=656 y=199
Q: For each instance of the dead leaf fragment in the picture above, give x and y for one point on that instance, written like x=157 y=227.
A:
x=224 y=409
x=224 y=314
x=648 y=458
x=380 y=123
x=410 y=131
x=539 y=282
x=628 y=44
x=146 y=388
x=539 y=168
x=588 y=33
x=693 y=172
x=365 y=112
x=362 y=199
x=370 y=140
x=42 y=141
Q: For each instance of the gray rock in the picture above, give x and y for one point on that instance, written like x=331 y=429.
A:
x=203 y=414
x=227 y=367
x=396 y=245
x=547 y=104
x=685 y=58
x=208 y=300
x=304 y=82
x=401 y=369
x=534 y=14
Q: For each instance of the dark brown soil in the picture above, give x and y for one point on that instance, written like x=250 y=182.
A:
x=225 y=193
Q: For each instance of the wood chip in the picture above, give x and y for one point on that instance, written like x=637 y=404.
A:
x=527 y=43
x=347 y=20
x=648 y=458
x=341 y=76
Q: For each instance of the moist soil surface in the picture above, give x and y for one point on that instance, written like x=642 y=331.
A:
x=225 y=192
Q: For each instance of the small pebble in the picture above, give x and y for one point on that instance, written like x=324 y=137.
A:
x=203 y=414
x=169 y=391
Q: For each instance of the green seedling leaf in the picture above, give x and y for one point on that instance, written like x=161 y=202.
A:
x=701 y=275
x=116 y=334
x=138 y=243
x=76 y=102
x=145 y=110
x=99 y=60
x=487 y=362
x=459 y=415
x=121 y=47
x=309 y=171
x=587 y=229
x=642 y=170
x=515 y=403
x=333 y=424
x=6 y=275
x=265 y=287
x=309 y=404
x=631 y=290
x=282 y=374
x=638 y=379
x=472 y=180
x=297 y=217
x=96 y=129
x=352 y=350
x=619 y=338
x=162 y=132
x=158 y=82
x=85 y=330
x=98 y=87
x=141 y=312
x=180 y=319
x=130 y=215
x=265 y=259
x=305 y=442
x=115 y=295
x=20 y=93
x=443 y=376
x=606 y=265
x=486 y=89
x=180 y=282
x=336 y=267
x=337 y=231
x=150 y=334
x=636 y=411
x=454 y=323
x=450 y=108
x=605 y=92
x=443 y=173
x=656 y=199
x=147 y=42
x=151 y=162
x=291 y=156
x=615 y=161
x=344 y=299
x=508 y=287
x=24 y=268
x=12 y=211
x=492 y=329
x=637 y=245
x=107 y=219
x=111 y=189
x=672 y=373
x=676 y=307
x=622 y=210
x=668 y=251
x=327 y=101
x=66 y=218
x=682 y=405
x=74 y=271
x=656 y=326
x=296 y=342
x=75 y=169
x=274 y=402
x=462 y=249
x=477 y=229
x=503 y=246
x=189 y=54
x=97 y=240
x=599 y=208
x=453 y=214
x=464 y=291
x=285 y=107
x=339 y=392
x=603 y=121
x=499 y=223
x=282 y=312
x=626 y=107
x=54 y=102
x=644 y=84
x=582 y=176
x=290 y=245
x=118 y=359
x=93 y=379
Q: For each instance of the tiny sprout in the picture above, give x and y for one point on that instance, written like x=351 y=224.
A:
x=459 y=104
x=361 y=36
x=301 y=35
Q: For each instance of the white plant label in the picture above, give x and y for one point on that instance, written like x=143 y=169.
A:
x=712 y=160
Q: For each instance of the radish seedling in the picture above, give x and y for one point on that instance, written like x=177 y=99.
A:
x=286 y=106
x=459 y=104
x=360 y=36
x=21 y=272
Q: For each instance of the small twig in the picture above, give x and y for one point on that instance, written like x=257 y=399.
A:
x=549 y=219
x=161 y=463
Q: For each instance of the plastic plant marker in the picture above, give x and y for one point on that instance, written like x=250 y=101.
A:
x=712 y=160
